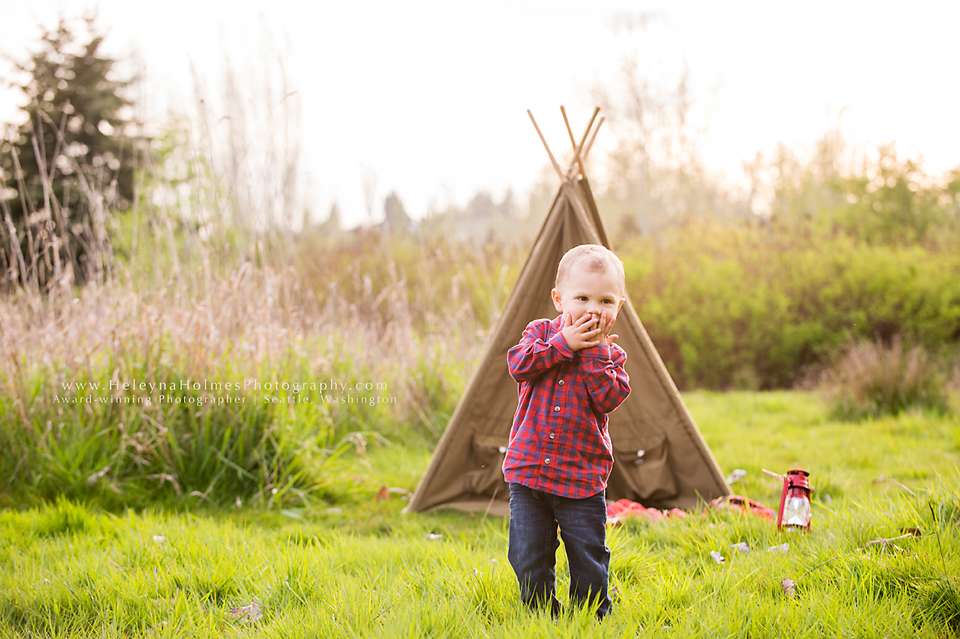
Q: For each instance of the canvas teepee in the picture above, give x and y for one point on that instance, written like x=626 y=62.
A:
x=661 y=460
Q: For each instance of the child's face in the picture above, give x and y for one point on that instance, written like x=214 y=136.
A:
x=586 y=291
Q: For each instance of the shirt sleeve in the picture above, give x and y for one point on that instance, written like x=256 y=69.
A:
x=534 y=355
x=606 y=379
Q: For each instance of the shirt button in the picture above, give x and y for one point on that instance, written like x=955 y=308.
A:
x=556 y=409
x=561 y=382
x=547 y=461
x=552 y=435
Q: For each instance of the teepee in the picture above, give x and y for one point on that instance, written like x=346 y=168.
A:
x=660 y=458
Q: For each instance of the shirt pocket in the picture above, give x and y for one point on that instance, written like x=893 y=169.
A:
x=642 y=471
x=488 y=452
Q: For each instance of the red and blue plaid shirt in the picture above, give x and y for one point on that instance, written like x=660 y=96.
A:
x=559 y=442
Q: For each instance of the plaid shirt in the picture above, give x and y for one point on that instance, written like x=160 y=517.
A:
x=559 y=442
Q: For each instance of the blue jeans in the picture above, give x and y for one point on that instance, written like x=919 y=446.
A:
x=534 y=517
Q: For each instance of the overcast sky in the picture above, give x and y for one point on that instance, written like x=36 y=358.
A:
x=431 y=97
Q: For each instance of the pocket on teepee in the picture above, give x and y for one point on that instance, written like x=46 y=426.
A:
x=487 y=453
x=644 y=465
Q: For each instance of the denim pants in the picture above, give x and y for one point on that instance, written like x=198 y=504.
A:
x=534 y=517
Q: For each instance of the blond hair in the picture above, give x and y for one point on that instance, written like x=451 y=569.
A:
x=594 y=258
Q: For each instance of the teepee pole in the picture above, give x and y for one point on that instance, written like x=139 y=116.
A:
x=578 y=149
x=556 y=167
x=573 y=141
x=587 y=148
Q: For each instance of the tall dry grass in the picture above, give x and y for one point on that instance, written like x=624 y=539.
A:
x=872 y=379
x=259 y=324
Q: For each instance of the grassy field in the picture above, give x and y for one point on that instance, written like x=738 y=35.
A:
x=360 y=567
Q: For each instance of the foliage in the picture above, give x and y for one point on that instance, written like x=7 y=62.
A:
x=876 y=198
x=441 y=287
x=759 y=306
x=484 y=221
x=172 y=396
x=69 y=163
x=870 y=379
x=396 y=219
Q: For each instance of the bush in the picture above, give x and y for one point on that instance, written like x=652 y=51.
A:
x=754 y=307
x=869 y=379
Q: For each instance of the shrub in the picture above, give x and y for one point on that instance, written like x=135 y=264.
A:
x=870 y=379
x=755 y=307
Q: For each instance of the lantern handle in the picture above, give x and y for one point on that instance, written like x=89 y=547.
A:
x=773 y=474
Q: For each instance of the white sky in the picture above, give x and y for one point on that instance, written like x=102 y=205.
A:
x=432 y=96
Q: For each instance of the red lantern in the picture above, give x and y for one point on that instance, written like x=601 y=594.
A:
x=795 y=500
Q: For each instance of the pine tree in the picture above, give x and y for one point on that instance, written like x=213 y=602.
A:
x=71 y=162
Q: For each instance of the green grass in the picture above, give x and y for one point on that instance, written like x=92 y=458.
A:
x=363 y=568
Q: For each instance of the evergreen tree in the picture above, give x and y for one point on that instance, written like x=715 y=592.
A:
x=396 y=219
x=69 y=163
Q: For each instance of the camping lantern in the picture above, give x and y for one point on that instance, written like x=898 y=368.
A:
x=795 y=500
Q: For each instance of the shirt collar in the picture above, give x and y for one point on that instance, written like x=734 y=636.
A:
x=557 y=323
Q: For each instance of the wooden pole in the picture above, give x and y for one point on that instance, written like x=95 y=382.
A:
x=556 y=167
x=593 y=137
x=573 y=141
x=578 y=149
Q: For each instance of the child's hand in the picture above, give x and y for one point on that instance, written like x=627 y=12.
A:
x=606 y=323
x=583 y=333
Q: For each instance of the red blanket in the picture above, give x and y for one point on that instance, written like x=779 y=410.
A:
x=623 y=508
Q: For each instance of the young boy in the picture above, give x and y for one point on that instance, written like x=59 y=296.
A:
x=570 y=375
